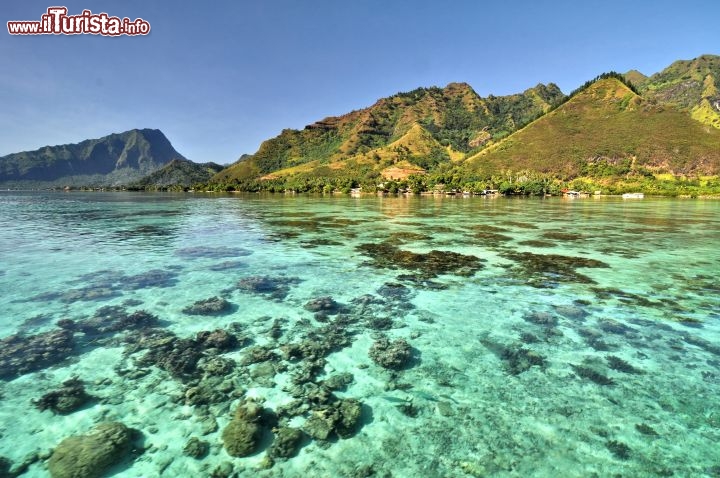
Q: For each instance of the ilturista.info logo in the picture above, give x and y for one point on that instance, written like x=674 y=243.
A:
x=57 y=22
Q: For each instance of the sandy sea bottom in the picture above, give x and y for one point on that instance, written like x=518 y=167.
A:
x=403 y=336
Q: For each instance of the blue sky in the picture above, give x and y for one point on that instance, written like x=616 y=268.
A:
x=220 y=77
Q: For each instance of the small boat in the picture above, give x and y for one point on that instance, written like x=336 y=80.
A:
x=633 y=196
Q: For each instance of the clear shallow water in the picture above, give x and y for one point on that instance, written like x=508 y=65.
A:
x=586 y=342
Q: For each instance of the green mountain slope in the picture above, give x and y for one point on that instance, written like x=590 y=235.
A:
x=116 y=159
x=606 y=130
x=178 y=173
x=454 y=117
x=691 y=85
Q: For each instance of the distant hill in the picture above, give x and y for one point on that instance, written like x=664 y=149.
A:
x=606 y=130
x=413 y=130
x=178 y=173
x=116 y=159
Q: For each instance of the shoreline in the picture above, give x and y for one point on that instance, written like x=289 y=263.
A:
x=424 y=194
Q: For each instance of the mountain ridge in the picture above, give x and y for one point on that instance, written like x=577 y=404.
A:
x=112 y=160
x=455 y=116
x=614 y=128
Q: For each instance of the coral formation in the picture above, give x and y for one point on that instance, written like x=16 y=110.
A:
x=517 y=359
x=223 y=470
x=341 y=417
x=285 y=442
x=541 y=318
x=616 y=363
x=592 y=375
x=273 y=287
x=491 y=239
x=339 y=381
x=618 y=449
x=646 y=429
x=547 y=270
x=392 y=355
x=109 y=320
x=240 y=437
x=89 y=456
x=323 y=304
x=21 y=354
x=614 y=327
x=196 y=448
x=177 y=356
x=66 y=399
x=151 y=278
x=427 y=265
x=394 y=290
x=257 y=354
x=213 y=305
x=5 y=466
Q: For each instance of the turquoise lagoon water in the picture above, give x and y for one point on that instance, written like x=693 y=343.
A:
x=584 y=340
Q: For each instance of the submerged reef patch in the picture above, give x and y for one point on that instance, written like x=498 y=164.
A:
x=427 y=265
x=106 y=284
x=20 y=354
x=544 y=319
x=241 y=436
x=624 y=297
x=341 y=418
x=619 y=449
x=151 y=278
x=548 y=270
x=109 y=320
x=325 y=305
x=590 y=373
x=66 y=399
x=561 y=236
x=318 y=242
x=212 y=306
x=91 y=455
x=286 y=442
x=646 y=429
x=516 y=358
x=196 y=448
x=274 y=287
x=394 y=355
x=492 y=239
x=519 y=224
x=177 y=356
x=537 y=243
x=616 y=363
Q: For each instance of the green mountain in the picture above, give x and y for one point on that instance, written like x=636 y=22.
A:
x=691 y=85
x=178 y=174
x=442 y=123
x=613 y=133
x=117 y=159
x=603 y=131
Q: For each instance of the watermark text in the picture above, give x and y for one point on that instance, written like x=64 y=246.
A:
x=57 y=22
